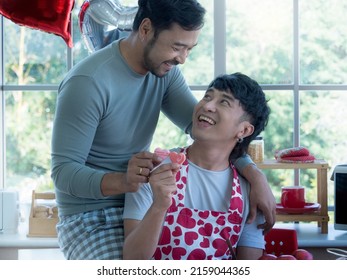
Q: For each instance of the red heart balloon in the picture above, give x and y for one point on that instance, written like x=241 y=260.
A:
x=49 y=16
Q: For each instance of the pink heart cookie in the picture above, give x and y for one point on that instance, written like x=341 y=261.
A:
x=162 y=153
x=177 y=157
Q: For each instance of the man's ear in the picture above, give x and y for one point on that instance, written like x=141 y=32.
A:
x=145 y=27
x=247 y=130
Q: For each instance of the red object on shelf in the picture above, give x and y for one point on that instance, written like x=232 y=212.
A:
x=281 y=241
x=308 y=208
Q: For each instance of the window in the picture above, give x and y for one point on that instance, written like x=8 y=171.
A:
x=296 y=49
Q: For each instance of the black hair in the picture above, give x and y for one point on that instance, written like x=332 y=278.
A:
x=188 y=14
x=253 y=101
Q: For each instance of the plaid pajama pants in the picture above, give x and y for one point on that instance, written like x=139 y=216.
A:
x=94 y=235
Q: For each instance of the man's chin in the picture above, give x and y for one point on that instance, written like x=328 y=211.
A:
x=159 y=74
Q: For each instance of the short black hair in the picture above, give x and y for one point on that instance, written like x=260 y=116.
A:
x=188 y=14
x=253 y=101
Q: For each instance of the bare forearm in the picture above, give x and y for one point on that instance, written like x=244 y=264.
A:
x=254 y=175
x=113 y=184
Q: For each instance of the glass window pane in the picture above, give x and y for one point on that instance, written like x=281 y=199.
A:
x=278 y=135
x=323 y=42
x=32 y=56
x=259 y=40
x=322 y=129
x=28 y=119
x=199 y=68
x=168 y=135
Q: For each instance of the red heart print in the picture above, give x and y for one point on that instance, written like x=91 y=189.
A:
x=177 y=157
x=197 y=254
x=184 y=218
x=190 y=237
x=237 y=228
x=184 y=180
x=237 y=204
x=204 y=214
x=165 y=237
x=215 y=213
x=48 y=16
x=167 y=250
x=178 y=252
x=221 y=221
x=225 y=233
x=177 y=231
x=177 y=242
x=205 y=243
x=234 y=238
x=170 y=219
x=200 y=222
x=206 y=230
x=234 y=218
x=221 y=246
x=157 y=254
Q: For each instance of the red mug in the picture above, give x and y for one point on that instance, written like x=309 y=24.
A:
x=293 y=197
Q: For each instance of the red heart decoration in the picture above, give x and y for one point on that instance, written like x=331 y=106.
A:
x=234 y=218
x=221 y=246
x=206 y=230
x=167 y=250
x=225 y=233
x=166 y=236
x=177 y=253
x=190 y=236
x=221 y=221
x=50 y=16
x=177 y=231
x=197 y=254
x=184 y=218
x=177 y=242
x=170 y=219
x=177 y=157
x=205 y=243
x=204 y=214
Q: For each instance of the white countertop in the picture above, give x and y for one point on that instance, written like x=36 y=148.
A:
x=20 y=239
x=309 y=235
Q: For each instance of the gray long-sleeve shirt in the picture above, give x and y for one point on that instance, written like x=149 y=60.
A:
x=105 y=113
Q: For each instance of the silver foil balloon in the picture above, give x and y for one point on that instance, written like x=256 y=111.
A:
x=103 y=21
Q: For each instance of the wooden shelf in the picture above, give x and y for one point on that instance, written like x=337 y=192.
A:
x=321 y=216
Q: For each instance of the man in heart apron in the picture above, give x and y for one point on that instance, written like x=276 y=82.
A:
x=197 y=209
x=200 y=234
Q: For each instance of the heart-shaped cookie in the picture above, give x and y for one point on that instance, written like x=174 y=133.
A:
x=177 y=157
x=162 y=153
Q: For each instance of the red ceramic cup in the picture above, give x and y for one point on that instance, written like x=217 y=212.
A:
x=293 y=197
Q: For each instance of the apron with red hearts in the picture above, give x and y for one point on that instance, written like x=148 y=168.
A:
x=199 y=234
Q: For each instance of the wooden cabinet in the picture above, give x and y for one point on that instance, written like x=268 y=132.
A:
x=321 y=216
